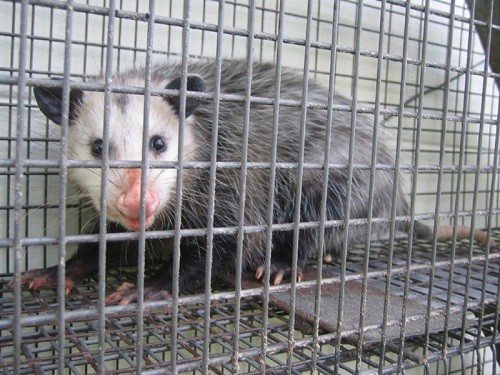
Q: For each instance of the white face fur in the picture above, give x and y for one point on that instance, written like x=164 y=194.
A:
x=125 y=134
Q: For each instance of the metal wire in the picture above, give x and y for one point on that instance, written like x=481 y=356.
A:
x=121 y=340
x=211 y=189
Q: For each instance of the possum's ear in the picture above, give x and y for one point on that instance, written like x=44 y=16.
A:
x=194 y=83
x=49 y=101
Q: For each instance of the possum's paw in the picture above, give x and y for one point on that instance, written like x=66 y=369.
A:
x=279 y=271
x=45 y=278
x=127 y=294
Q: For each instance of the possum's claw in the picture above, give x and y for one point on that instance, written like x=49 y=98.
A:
x=127 y=294
x=279 y=270
x=45 y=278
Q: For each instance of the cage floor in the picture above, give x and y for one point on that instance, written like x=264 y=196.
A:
x=463 y=297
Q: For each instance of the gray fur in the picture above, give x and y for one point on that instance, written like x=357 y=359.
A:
x=260 y=143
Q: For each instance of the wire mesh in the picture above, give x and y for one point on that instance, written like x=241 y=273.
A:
x=39 y=352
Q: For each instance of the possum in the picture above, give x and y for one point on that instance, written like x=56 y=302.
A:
x=86 y=114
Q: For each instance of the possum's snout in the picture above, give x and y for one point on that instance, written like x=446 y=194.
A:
x=128 y=203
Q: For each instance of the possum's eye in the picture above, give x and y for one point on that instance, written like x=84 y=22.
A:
x=157 y=144
x=96 y=148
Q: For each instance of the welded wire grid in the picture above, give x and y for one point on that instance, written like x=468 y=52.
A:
x=39 y=351
x=421 y=56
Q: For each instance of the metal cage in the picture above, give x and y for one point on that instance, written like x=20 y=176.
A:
x=425 y=71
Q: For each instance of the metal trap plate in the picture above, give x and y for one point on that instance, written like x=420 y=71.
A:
x=355 y=325
x=373 y=316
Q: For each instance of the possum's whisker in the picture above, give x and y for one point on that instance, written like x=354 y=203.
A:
x=90 y=222
x=96 y=171
x=120 y=176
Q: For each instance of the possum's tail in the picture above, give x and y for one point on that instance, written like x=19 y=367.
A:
x=445 y=233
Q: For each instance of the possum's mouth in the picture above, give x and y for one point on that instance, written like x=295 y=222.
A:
x=132 y=223
x=135 y=224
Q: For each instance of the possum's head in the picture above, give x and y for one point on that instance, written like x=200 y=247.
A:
x=86 y=119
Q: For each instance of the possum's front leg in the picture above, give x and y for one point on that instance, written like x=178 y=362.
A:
x=191 y=276
x=77 y=268
x=157 y=289
x=84 y=263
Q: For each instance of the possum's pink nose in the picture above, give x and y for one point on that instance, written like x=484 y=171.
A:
x=129 y=204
